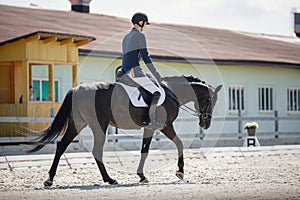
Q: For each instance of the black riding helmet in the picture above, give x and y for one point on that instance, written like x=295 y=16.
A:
x=140 y=17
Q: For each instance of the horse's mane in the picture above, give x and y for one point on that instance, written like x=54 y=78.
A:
x=182 y=78
x=190 y=79
x=193 y=79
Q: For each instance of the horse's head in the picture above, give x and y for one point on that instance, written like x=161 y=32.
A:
x=188 y=88
x=207 y=97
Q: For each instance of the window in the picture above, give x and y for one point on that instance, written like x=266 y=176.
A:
x=293 y=99
x=265 y=98
x=41 y=90
x=236 y=98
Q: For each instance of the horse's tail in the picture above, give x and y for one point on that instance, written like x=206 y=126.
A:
x=57 y=127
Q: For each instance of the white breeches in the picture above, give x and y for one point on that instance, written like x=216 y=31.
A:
x=145 y=82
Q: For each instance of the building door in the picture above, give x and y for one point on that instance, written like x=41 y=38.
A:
x=6 y=89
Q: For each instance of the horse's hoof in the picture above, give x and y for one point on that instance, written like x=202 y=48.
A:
x=144 y=180
x=48 y=183
x=113 y=182
x=180 y=175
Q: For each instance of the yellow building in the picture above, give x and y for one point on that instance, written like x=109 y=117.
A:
x=18 y=58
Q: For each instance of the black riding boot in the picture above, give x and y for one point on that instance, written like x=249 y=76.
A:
x=153 y=124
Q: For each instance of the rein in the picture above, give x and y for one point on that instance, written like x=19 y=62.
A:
x=191 y=111
x=196 y=113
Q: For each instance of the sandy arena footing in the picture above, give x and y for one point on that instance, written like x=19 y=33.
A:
x=217 y=173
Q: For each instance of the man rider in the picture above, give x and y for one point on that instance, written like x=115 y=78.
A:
x=133 y=48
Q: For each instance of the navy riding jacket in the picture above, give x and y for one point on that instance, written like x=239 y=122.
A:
x=134 y=47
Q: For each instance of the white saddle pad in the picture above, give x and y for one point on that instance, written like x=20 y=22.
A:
x=137 y=100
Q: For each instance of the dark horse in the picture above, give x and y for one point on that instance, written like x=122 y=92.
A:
x=99 y=104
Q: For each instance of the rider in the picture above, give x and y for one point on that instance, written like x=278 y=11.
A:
x=133 y=48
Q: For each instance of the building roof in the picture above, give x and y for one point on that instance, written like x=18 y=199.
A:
x=165 y=41
x=52 y=36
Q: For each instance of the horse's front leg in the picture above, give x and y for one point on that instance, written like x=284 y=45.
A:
x=171 y=134
x=99 y=140
x=147 y=137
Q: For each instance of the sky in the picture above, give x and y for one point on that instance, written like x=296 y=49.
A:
x=256 y=16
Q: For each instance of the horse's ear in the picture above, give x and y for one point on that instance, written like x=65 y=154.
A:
x=218 y=88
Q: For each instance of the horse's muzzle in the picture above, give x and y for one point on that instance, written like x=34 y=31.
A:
x=204 y=121
x=204 y=126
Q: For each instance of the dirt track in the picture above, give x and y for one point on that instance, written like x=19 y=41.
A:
x=256 y=177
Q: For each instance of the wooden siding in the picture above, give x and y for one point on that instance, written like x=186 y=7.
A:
x=41 y=109
x=32 y=109
x=18 y=82
x=37 y=50
x=52 y=51
x=13 y=51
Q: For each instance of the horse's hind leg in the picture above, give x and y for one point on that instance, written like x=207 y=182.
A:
x=62 y=145
x=147 y=137
x=171 y=134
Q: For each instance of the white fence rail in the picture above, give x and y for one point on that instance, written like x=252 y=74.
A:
x=117 y=136
x=240 y=119
x=25 y=119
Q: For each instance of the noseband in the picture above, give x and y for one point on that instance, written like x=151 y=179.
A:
x=206 y=115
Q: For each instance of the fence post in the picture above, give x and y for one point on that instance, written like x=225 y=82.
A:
x=201 y=133
x=240 y=121
x=116 y=132
x=276 y=123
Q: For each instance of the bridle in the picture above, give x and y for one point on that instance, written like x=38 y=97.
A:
x=206 y=115
x=196 y=113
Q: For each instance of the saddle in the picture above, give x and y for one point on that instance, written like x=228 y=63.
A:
x=138 y=96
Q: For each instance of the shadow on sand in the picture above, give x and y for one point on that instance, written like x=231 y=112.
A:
x=98 y=186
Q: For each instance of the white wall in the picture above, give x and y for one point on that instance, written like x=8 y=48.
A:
x=280 y=78
x=97 y=69
x=252 y=77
